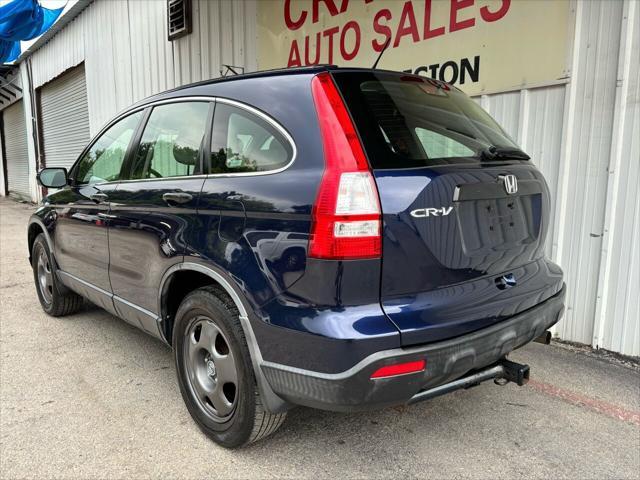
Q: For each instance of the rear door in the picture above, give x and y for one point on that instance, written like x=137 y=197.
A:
x=153 y=210
x=252 y=227
x=465 y=212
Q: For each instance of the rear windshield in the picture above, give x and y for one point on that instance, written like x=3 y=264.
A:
x=408 y=121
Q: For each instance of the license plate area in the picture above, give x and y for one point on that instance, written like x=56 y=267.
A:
x=498 y=224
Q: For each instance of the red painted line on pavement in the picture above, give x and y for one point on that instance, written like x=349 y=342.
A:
x=605 y=408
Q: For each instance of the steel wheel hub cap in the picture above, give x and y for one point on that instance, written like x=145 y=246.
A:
x=211 y=371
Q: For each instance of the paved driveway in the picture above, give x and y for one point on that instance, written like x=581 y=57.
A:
x=87 y=396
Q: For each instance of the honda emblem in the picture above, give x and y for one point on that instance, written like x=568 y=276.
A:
x=510 y=183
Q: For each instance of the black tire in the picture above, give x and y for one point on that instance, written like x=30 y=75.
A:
x=213 y=314
x=55 y=298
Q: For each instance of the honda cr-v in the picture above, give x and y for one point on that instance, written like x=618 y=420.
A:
x=336 y=238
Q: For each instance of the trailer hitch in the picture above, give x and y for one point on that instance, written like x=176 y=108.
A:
x=515 y=372
x=501 y=372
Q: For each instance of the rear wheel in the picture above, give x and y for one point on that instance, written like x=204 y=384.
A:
x=215 y=373
x=55 y=298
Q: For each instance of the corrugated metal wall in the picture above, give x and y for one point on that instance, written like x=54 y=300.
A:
x=618 y=301
x=127 y=56
x=583 y=134
x=584 y=161
x=585 y=137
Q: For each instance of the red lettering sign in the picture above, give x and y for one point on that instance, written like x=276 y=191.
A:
x=454 y=23
x=319 y=46
x=411 y=28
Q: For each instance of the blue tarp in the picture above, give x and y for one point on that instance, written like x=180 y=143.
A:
x=22 y=20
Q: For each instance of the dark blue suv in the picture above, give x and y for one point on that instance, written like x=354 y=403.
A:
x=337 y=238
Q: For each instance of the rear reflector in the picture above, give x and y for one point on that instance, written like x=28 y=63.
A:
x=346 y=215
x=400 y=369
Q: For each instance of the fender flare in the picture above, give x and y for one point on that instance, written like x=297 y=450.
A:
x=271 y=400
x=34 y=219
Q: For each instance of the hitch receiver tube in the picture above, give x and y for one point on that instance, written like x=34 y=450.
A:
x=506 y=369
x=515 y=372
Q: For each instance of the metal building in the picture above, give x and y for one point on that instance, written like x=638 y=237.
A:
x=581 y=128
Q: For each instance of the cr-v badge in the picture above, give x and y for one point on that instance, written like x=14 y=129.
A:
x=431 y=212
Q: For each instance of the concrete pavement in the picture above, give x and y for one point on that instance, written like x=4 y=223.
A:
x=87 y=396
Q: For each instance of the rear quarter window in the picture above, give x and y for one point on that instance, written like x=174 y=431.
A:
x=243 y=142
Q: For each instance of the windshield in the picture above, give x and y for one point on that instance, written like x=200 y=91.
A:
x=409 y=121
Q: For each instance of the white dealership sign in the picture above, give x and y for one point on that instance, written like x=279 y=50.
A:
x=479 y=45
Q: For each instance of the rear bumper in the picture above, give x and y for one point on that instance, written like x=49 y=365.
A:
x=353 y=389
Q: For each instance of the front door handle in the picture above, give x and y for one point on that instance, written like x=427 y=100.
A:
x=99 y=197
x=177 y=197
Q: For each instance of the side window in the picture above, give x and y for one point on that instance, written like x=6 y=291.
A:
x=170 y=143
x=244 y=142
x=440 y=146
x=103 y=162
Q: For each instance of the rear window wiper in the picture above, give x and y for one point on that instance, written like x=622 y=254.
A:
x=502 y=153
x=461 y=133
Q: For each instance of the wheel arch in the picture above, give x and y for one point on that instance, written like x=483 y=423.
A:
x=202 y=272
x=36 y=227
x=272 y=402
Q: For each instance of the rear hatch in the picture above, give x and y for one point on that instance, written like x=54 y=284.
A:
x=465 y=212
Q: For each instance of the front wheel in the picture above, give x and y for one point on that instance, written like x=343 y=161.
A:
x=215 y=373
x=55 y=298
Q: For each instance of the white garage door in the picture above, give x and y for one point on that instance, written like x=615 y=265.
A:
x=64 y=118
x=15 y=137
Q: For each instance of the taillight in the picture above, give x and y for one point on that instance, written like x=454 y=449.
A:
x=346 y=216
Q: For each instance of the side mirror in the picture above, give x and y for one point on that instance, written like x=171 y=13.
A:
x=52 y=177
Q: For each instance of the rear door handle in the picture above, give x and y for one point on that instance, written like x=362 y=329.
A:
x=177 y=197
x=99 y=197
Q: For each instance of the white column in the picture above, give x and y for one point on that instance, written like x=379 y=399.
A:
x=619 y=263
x=27 y=100
x=2 y=191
